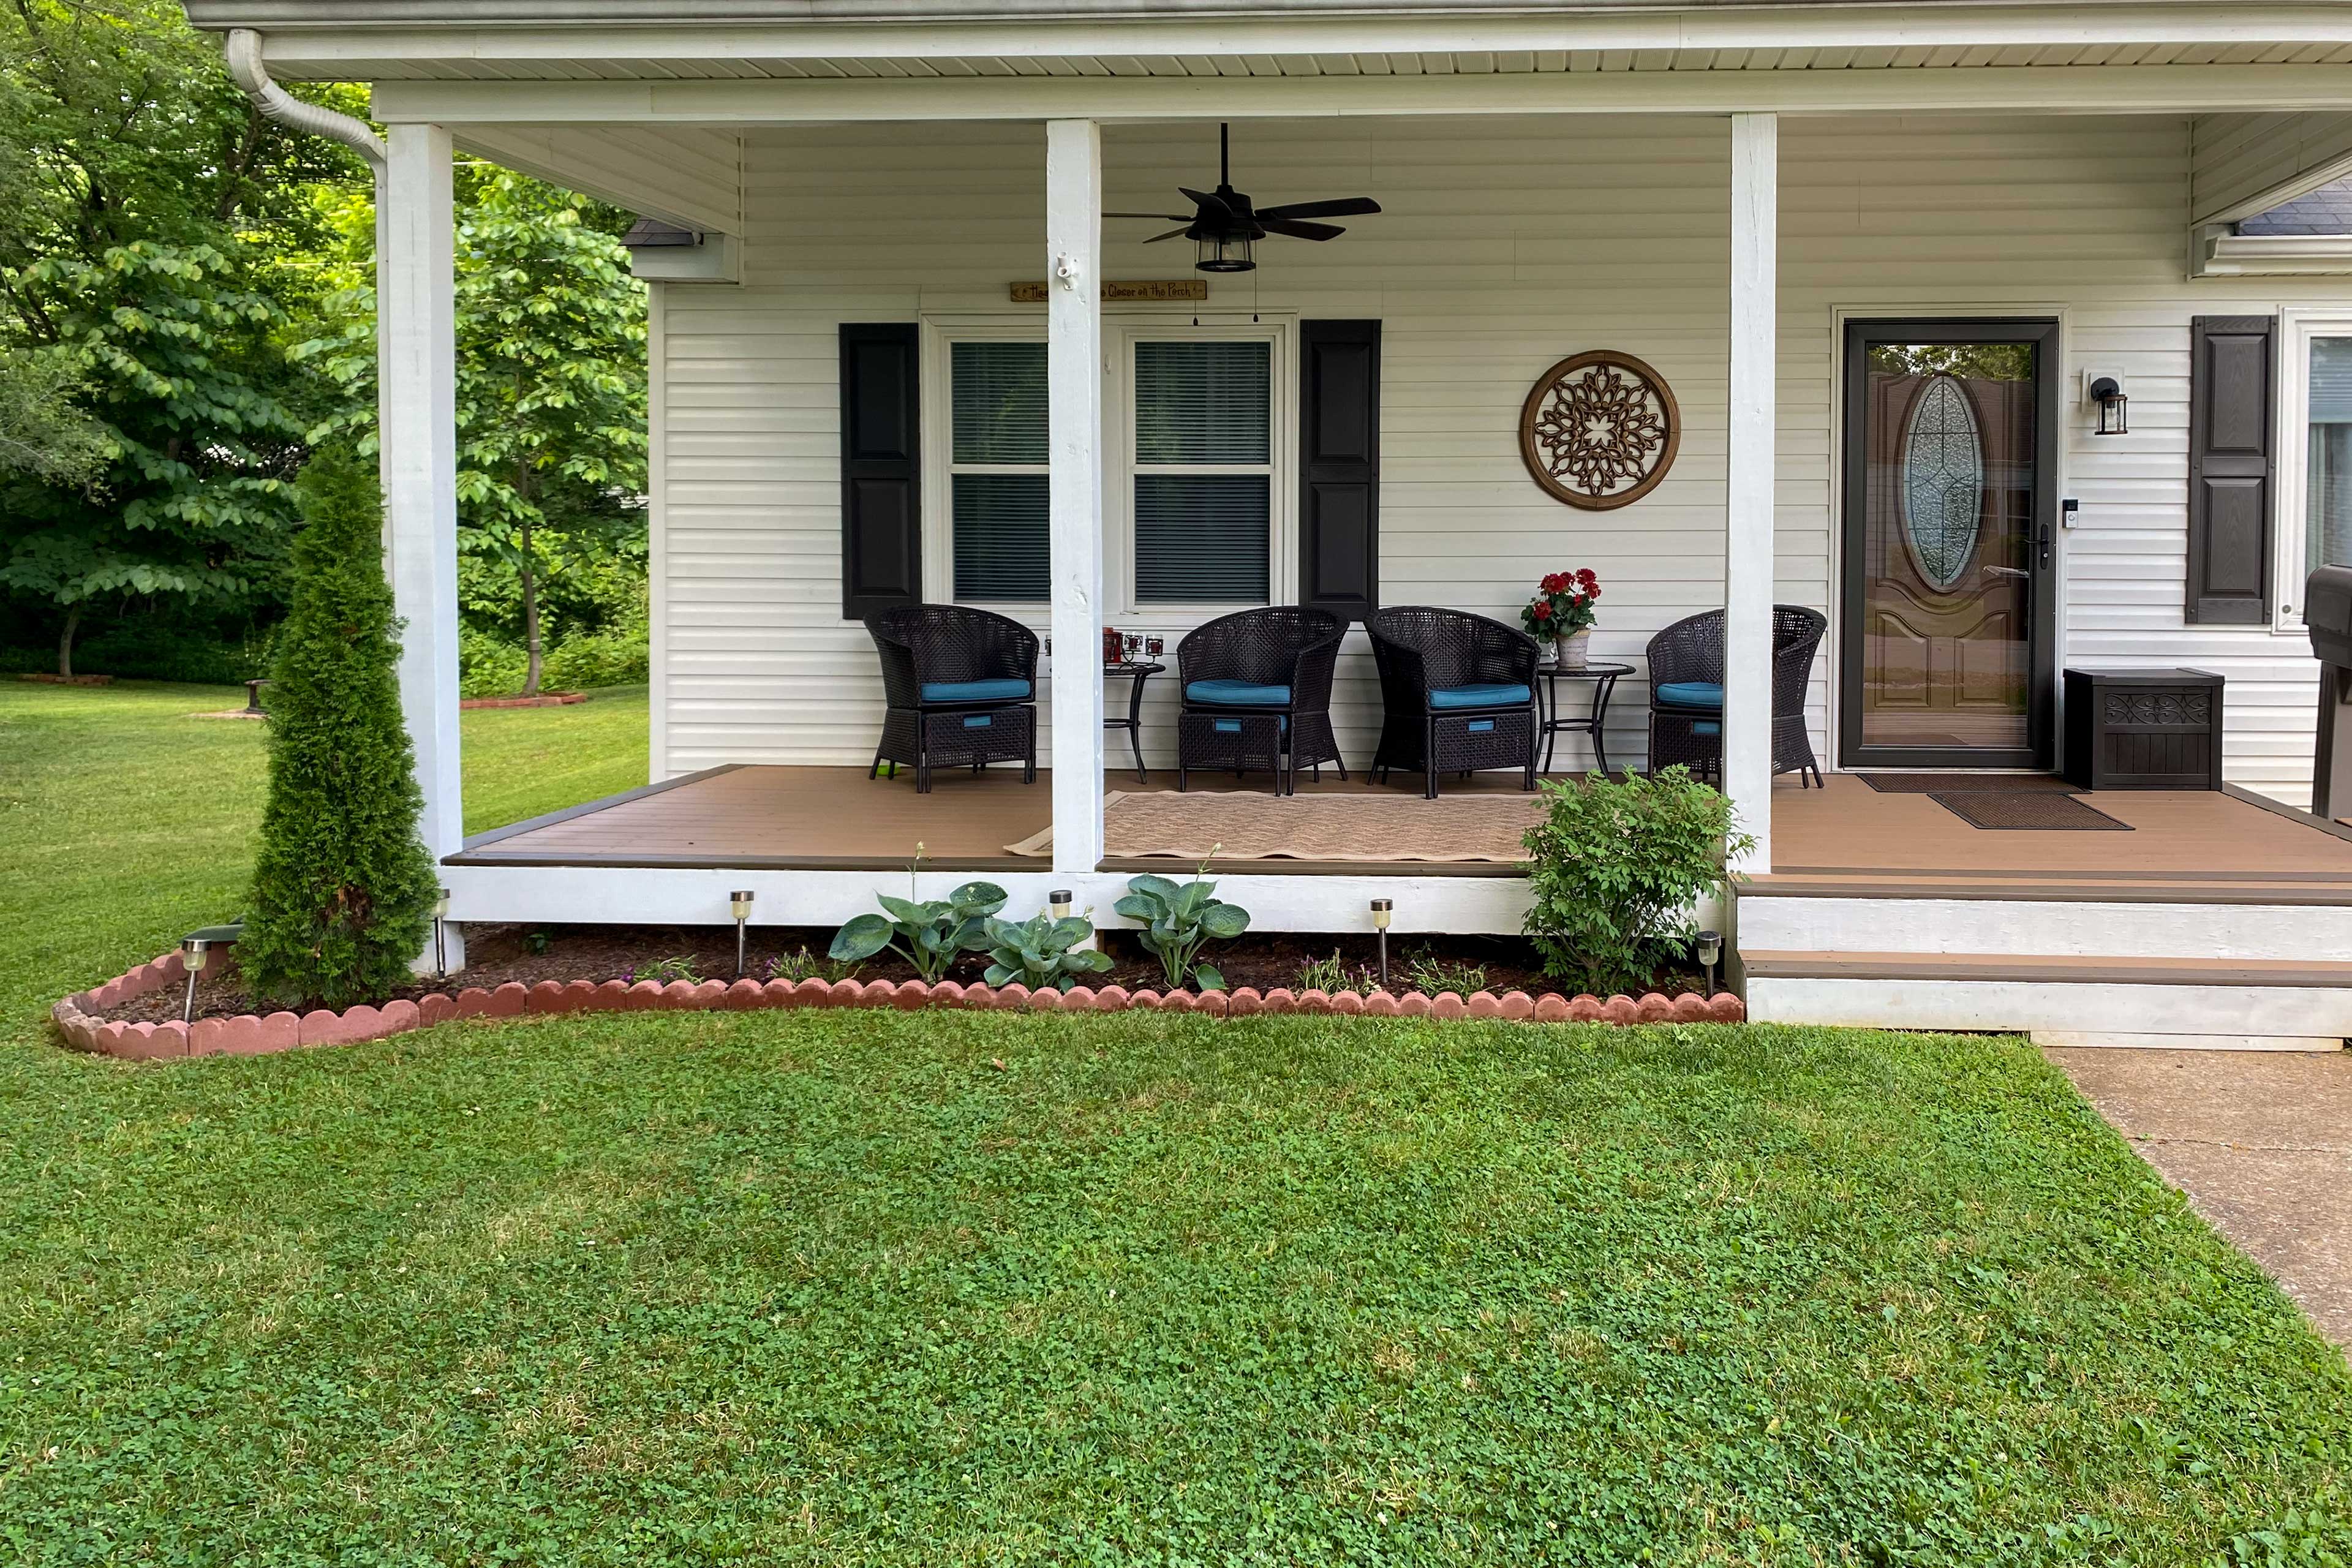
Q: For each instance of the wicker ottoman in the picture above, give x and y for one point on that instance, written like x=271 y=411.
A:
x=953 y=737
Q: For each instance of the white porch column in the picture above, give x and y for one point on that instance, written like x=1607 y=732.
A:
x=1073 y=380
x=416 y=415
x=1747 y=543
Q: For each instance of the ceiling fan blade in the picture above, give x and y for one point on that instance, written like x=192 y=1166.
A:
x=1163 y=217
x=1171 y=234
x=1338 y=206
x=1211 y=206
x=1297 y=230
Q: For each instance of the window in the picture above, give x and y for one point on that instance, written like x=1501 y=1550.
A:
x=996 y=470
x=2327 y=462
x=1196 y=432
x=1203 y=471
x=2313 y=523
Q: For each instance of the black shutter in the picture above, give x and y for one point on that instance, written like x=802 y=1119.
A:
x=1339 y=437
x=2231 y=470
x=881 y=470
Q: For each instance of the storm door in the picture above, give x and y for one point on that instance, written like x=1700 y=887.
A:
x=1951 y=483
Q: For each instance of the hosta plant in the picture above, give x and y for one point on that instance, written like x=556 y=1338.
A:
x=927 y=933
x=1042 y=952
x=1178 y=922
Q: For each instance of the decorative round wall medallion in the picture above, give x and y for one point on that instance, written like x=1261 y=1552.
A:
x=1600 y=429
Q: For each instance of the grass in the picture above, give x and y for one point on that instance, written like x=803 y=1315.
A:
x=877 y=1287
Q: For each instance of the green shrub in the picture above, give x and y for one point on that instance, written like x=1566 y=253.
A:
x=343 y=887
x=597 y=659
x=1178 y=922
x=488 y=668
x=1614 y=869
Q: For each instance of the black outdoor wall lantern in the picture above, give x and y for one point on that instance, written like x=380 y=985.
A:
x=2109 y=394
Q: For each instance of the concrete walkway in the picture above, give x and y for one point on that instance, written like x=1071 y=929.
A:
x=2261 y=1142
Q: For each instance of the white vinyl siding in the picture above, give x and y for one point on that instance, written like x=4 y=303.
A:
x=1505 y=244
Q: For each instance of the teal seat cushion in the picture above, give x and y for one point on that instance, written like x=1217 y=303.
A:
x=1493 y=696
x=1004 y=690
x=1692 y=694
x=1237 y=694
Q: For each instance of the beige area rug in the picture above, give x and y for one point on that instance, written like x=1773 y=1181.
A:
x=1251 y=826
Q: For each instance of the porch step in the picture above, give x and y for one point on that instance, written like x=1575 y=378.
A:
x=2275 y=1003
x=2056 y=920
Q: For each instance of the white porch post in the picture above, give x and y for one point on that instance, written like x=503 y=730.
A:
x=416 y=415
x=1073 y=380
x=1747 y=543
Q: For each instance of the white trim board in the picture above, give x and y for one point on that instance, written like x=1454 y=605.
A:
x=2038 y=928
x=2056 y=90
x=292 y=43
x=2006 y=1006
x=636 y=895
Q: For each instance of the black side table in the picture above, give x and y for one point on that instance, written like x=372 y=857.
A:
x=1604 y=679
x=1133 y=722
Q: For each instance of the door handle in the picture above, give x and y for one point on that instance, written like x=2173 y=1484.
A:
x=2041 y=547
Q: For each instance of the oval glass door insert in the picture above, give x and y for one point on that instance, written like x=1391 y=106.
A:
x=1942 y=476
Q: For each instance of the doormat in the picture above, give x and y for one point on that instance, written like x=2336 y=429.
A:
x=1240 y=825
x=1943 y=784
x=2040 y=810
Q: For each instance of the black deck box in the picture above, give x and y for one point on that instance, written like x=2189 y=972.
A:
x=2143 y=729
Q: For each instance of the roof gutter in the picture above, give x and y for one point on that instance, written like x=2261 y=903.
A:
x=245 y=67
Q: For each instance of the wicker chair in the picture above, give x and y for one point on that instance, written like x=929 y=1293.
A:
x=961 y=685
x=1686 y=692
x=1457 y=694
x=1255 y=688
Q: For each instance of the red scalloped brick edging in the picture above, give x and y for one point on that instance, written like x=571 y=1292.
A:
x=255 y=1035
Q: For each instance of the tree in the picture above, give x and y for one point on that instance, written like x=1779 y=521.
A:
x=551 y=335
x=151 y=226
x=343 y=887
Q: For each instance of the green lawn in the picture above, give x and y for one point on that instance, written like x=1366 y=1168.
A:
x=874 y=1288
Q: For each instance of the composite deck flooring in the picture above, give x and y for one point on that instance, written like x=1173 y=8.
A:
x=2219 y=845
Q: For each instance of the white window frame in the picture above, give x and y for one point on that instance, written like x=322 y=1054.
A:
x=940 y=467
x=1121 y=470
x=1121 y=333
x=2297 y=326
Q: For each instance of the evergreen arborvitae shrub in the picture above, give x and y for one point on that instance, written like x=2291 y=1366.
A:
x=343 y=887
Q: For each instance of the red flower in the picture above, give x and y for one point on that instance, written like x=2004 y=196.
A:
x=1555 y=581
x=1542 y=611
x=1585 y=576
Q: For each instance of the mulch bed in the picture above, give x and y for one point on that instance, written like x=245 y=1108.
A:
x=496 y=955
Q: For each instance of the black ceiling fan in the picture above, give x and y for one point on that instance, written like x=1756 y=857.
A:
x=1225 y=225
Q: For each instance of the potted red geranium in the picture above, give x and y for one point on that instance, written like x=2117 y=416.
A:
x=1562 y=614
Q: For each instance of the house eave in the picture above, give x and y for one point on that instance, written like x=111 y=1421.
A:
x=2226 y=255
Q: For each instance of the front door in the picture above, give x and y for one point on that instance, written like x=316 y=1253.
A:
x=1951 y=432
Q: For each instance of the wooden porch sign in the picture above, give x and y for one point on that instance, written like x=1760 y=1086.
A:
x=1113 y=290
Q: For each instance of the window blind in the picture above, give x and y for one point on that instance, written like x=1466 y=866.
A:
x=1001 y=532
x=999 y=390
x=1201 y=539
x=1203 y=403
x=2331 y=381
x=2327 y=490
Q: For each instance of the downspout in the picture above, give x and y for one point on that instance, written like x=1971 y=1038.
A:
x=245 y=67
